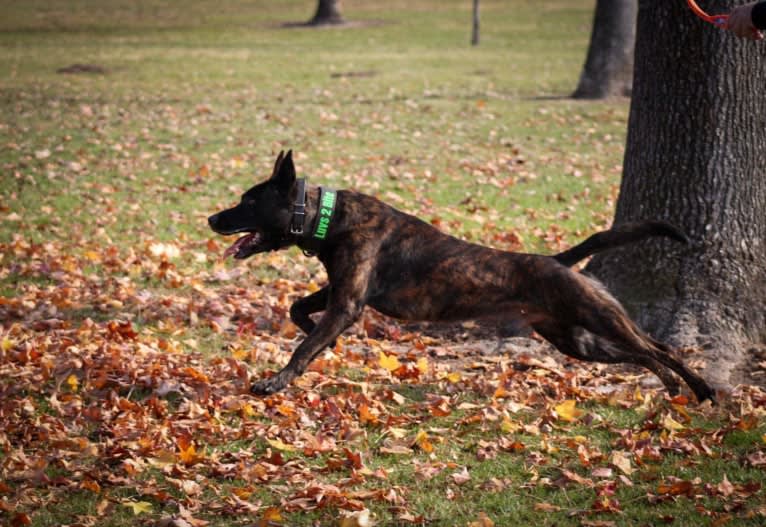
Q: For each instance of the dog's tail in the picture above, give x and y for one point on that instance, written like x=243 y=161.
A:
x=619 y=235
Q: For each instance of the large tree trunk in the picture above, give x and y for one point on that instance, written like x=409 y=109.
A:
x=328 y=12
x=696 y=156
x=608 y=69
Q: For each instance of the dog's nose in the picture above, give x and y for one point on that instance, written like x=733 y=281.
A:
x=213 y=221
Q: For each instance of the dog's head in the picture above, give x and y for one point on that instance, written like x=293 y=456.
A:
x=263 y=213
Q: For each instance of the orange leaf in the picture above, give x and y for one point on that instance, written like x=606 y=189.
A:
x=366 y=416
x=196 y=374
x=423 y=443
x=189 y=456
x=270 y=516
x=676 y=488
x=91 y=485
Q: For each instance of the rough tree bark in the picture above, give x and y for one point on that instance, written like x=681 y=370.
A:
x=608 y=69
x=328 y=12
x=696 y=156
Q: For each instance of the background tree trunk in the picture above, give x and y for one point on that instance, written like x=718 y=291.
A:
x=328 y=12
x=475 y=26
x=608 y=69
x=696 y=156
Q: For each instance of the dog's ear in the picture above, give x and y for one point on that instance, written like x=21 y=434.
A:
x=278 y=162
x=284 y=172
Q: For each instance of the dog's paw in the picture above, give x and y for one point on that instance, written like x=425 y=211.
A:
x=265 y=387
x=272 y=385
x=706 y=394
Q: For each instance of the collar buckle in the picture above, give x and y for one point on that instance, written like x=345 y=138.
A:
x=299 y=210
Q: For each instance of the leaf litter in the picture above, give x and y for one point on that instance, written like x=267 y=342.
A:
x=124 y=369
x=105 y=391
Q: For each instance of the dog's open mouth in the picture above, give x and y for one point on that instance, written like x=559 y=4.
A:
x=245 y=246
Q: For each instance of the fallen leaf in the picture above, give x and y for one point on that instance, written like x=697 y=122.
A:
x=622 y=462
x=138 y=507
x=568 y=411
x=389 y=362
x=461 y=477
x=279 y=445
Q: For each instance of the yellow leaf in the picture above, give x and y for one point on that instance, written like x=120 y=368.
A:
x=247 y=410
x=138 y=507
x=240 y=353
x=389 y=362
x=73 y=382
x=567 y=410
x=454 y=377
x=93 y=256
x=422 y=365
x=7 y=344
x=670 y=424
x=509 y=427
x=279 y=445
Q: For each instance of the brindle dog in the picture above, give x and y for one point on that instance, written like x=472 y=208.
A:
x=405 y=268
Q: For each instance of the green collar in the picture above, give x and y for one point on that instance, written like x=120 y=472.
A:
x=325 y=211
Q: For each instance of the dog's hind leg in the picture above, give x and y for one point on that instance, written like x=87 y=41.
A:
x=599 y=313
x=580 y=344
x=626 y=335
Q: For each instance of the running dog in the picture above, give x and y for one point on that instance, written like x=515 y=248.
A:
x=405 y=268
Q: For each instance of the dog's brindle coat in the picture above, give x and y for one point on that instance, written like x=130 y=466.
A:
x=405 y=268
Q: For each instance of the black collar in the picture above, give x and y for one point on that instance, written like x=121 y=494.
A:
x=312 y=241
x=299 y=209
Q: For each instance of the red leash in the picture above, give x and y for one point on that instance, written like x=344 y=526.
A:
x=716 y=20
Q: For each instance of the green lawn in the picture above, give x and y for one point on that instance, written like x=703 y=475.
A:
x=125 y=342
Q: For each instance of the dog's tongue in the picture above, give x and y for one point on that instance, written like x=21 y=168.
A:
x=238 y=244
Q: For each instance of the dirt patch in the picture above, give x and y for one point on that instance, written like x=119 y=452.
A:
x=348 y=24
x=77 y=68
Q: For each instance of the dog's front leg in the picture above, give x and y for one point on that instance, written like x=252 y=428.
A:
x=303 y=307
x=340 y=314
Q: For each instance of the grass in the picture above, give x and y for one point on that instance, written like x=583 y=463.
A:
x=226 y=90
x=197 y=99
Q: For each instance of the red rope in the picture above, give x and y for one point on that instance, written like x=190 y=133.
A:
x=716 y=20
